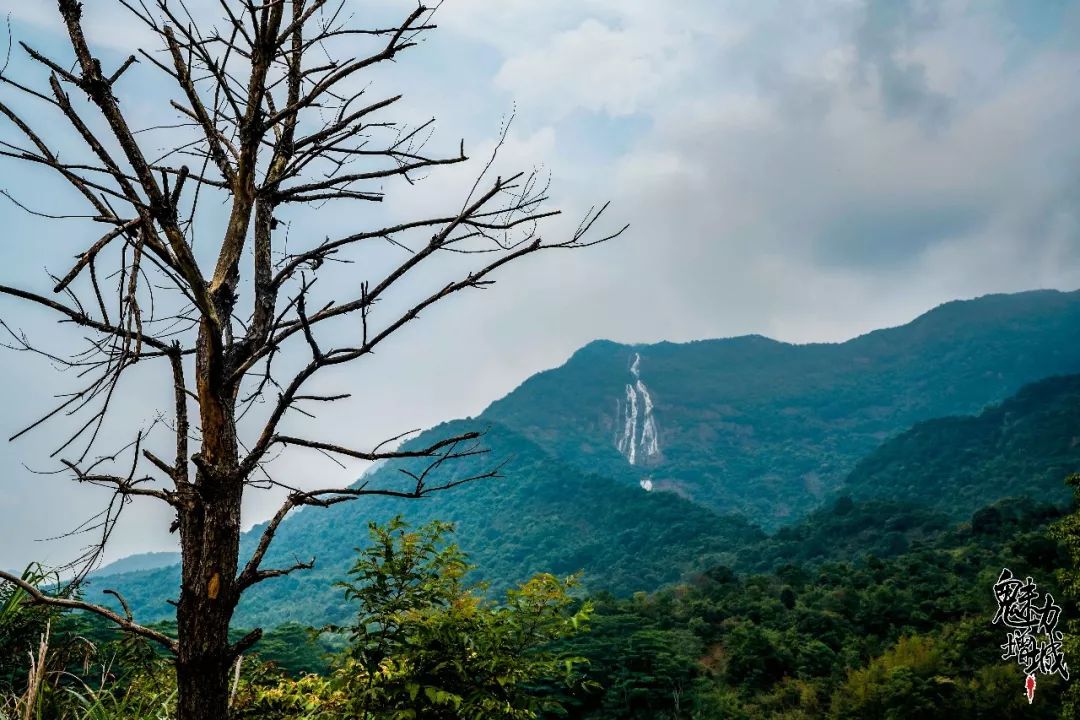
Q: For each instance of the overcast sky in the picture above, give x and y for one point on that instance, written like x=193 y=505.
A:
x=804 y=170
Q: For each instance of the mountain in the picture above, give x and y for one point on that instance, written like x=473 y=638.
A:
x=768 y=429
x=629 y=462
x=135 y=563
x=542 y=516
x=1025 y=445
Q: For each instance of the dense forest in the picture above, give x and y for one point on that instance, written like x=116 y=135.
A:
x=901 y=628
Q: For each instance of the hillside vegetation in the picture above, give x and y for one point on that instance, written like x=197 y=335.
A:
x=750 y=430
x=1022 y=446
x=542 y=516
x=768 y=429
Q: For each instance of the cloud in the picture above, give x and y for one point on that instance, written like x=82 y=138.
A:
x=851 y=181
x=106 y=27
x=594 y=68
x=883 y=41
x=807 y=169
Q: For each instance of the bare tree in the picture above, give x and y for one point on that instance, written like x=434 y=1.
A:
x=272 y=115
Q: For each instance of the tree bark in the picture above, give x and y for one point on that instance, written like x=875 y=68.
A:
x=210 y=542
x=210 y=545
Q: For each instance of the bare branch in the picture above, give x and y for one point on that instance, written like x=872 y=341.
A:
x=80 y=318
x=252 y=574
x=39 y=598
x=375 y=455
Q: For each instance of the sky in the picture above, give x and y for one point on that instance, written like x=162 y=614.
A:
x=808 y=170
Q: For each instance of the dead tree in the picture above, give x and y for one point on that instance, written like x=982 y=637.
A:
x=271 y=115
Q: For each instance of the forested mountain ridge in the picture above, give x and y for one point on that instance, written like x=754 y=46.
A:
x=747 y=424
x=541 y=516
x=768 y=429
x=1023 y=446
x=141 y=561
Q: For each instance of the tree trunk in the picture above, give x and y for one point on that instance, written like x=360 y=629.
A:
x=210 y=543
x=207 y=600
x=203 y=690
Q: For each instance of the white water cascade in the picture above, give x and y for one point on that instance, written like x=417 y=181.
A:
x=639 y=441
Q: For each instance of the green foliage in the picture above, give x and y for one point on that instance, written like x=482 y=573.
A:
x=1023 y=446
x=836 y=636
x=868 y=637
x=427 y=644
x=845 y=530
x=150 y=695
x=424 y=643
x=79 y=668
x=296 y=649
x=643 y=670
x=21 y=626
x=1067 y=532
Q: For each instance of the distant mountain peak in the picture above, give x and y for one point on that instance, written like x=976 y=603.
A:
x=138 y=562
x=767 y=428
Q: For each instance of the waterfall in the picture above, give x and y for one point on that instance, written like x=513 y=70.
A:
x=644 y=444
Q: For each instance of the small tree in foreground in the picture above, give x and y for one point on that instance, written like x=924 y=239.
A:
x=270 y=112
x=427 y=644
